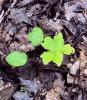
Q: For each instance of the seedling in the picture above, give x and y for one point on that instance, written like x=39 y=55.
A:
x=36 y=36
x=16 y=59
x=55 y=49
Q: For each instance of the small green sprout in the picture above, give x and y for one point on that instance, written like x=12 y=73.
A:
x=56 y=48
x=16 y=59
x=36 y=36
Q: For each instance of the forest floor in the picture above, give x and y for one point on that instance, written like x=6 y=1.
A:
x=34 y=80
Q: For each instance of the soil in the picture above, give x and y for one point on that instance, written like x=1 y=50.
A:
x=34 y=80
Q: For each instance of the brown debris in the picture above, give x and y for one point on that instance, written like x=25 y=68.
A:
x=54 y=93
x=6 y=91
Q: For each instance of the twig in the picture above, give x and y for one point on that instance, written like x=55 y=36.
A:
x=4 y=14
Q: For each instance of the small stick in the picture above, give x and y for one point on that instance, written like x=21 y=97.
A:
x=3 y=15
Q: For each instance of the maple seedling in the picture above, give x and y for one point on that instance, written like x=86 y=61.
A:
x=55 y=49
x=36 y=36
x=16 y=59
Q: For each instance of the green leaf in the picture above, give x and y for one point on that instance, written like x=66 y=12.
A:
x=58 y=42
x=48 y=43
x=56 y=49
x=16 y=59
x=58 y=58
x=53 y=44
x=36 y=36
x=67 y=49
x=47 y=57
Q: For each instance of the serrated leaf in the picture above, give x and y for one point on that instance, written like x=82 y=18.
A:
x=58 y=58
x=67 y=49
x=36 y=36
x=58 y=42
x=56 y=49
x=47 y=57
x=53 y=44
x=16 y=59
x=48 y=43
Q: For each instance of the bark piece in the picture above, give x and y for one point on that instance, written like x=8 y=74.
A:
x=6 y=91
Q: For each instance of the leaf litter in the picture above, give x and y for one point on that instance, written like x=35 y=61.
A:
x=17 y=18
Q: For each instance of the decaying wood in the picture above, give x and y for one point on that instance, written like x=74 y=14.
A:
x=83 y=69
x=6 y=91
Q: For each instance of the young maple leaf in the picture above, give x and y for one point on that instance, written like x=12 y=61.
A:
x=56 y=49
